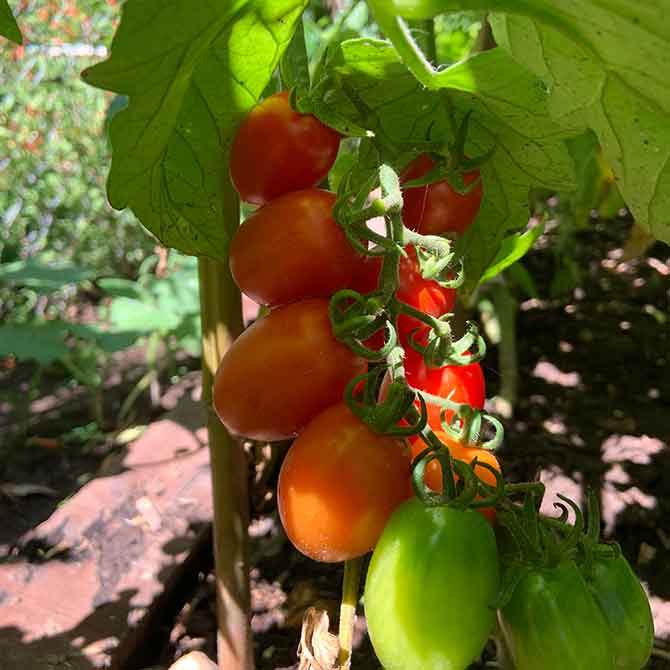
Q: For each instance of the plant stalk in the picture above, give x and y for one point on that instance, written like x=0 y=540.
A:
x=350 y=584
x=221 y=316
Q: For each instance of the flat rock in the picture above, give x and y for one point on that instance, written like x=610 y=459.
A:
x=108 y=551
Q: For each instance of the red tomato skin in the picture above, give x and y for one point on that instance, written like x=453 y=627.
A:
x=426 y=295
x=277 y=150
x=433 y=473
x=338 y=485
x=436 y=208
x=282 y=371
x=466 y=382
x=291 y=249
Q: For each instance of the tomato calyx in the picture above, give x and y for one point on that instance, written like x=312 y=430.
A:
x=384 y=416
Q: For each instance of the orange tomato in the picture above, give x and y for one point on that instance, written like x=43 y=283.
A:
x=339 y=483
x=433 y=473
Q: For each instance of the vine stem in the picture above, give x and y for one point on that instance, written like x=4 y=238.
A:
x=221 y=316
x=350 y=585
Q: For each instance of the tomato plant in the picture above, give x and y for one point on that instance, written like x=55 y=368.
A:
x=338 y=485
x=552 y=622
x=282 y=371
x=430 y=587
x=437 y=208
x=277 y=150
x=425 y=295
x=291 y=249
x=625 y=607
x=467 y=453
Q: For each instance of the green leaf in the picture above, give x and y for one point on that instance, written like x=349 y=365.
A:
x=37 y=275
x=367 y=81
x=107 y=341
x=294 y=64
x=8 y=25
x=607 y=66
x=126 y=314
x=191 y=75
x=512 y=249
x=43 y=342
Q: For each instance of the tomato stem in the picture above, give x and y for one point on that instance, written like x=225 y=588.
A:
x=350 y=586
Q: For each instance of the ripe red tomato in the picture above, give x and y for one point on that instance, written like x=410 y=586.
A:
x=282 y=371
x=466 y=382
x=338 y=485
x=291 y=249
x=277 y=150
x=425 y=295
x=433 y=474
x=436 y=208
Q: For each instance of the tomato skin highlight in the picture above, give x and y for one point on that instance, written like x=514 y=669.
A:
x=624 y=604
x=338 y=485
x=282 y=371
x=552 y=622
x=433 y=473
x=436 y=208
x=291 y=249
x=277 y=150
x=429 y=589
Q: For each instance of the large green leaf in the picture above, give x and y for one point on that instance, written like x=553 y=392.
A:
x=508 y=108
x=8 y=25
x=191 y=72
x=43 y=342
x=607 y=66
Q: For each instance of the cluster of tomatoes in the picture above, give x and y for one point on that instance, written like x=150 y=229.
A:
x=286 y=374
x=345 y=489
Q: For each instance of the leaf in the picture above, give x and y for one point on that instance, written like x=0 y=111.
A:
x=606 y=66
x=190 y=76
x=8 y=26
x=108 y=342
x=129 y=315
x=367 y=80
x=37 y=275
x=43 y=342
x=512 y=249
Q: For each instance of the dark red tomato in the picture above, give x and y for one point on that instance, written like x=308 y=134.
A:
x=426 y=295
x=277 y=150
x=291 y=249
x=282 y=371
x=465 y=381
x=339 y=484
x=433 y=473
x=436 y=208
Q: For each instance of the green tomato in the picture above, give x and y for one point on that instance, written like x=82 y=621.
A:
x=552 y=622
x=430 y=587
x=625 y=606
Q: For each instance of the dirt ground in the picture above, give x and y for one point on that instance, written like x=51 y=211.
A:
x=593 y=410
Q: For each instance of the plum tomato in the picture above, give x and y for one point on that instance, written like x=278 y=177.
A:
x=291 y=249
x=277 y=150
x=338 y=485
x=467 y=453
x=436 y=208
x=282 y=371
x=430 y=588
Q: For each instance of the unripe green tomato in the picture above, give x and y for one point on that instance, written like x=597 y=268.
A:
x=431 y=583
x=625 y=606
x=552 y=623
